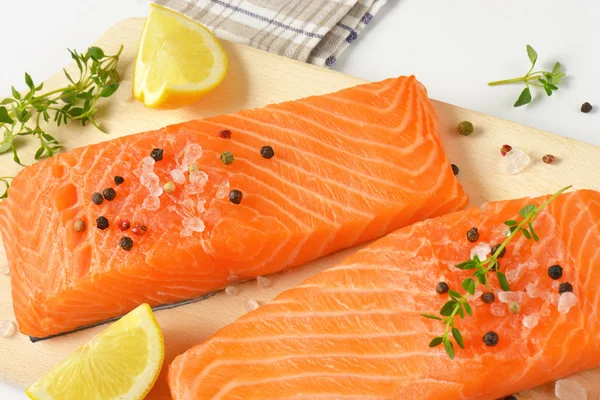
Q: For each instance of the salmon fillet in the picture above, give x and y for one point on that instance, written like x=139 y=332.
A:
x=348 y=167
x=355 y=331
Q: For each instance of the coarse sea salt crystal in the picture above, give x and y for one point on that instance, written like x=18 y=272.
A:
x=251 y=305
x=530 y=321
x=155 y=191
x=178 y=176
x=566 y=302
x=509 y=297
x=148 y=162
x=263 y=282
x=151 y=203
x=198 y=178
x=497 y=310
x=512 y=275
x=232 y=291
x=193 y=224
x=200 y=205
x=191 y=153
x=7 y=328
x=223 y=190
x=532 y=291
x=515 y=161
x=480 y=250
x=232 y=277
x=569 y=389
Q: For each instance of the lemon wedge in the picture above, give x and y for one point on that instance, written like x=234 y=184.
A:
x=121 y=362
x=178 y=61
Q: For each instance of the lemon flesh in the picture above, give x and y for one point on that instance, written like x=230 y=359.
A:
x=178 y=61
x=121 y=362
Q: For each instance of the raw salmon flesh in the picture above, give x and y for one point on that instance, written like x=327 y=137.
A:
x=355 y=331
x=348 y=167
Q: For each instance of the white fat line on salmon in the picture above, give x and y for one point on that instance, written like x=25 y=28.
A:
x=237 y=383
x=301 y=170
x=358 y=173
x=285 y=199
x=389 y=84
x=268 y=361
x=406 y=150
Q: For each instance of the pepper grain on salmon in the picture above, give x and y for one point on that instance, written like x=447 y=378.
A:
x=354 y=330
x=351 y=167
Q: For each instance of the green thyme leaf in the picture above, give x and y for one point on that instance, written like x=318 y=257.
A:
x=454 y=294
x=532 y=231
x=468 y=309
x=29 y=81
x=15 y=93
x=526 y=233
x=4 y=117
x=449 y=349
x=469 y=285
x=458 y=337
x=436 y=341
x=532 y=54
x=96 y=53
x=431 y=316
x=525 y=211
x=448 y=308
x=503 y=281
x=556 y=68
x=108 y=90
x=524 y=98
x=511 y=222
x=470 y=264
x=461 y=312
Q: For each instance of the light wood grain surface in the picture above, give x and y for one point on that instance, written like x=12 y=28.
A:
x=255 y=79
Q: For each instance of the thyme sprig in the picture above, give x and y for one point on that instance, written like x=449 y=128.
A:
x=21 y=115
x=458 y=303
x=548 y=80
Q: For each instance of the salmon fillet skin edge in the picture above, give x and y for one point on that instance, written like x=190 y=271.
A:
x=355 y=331
x=348 y=167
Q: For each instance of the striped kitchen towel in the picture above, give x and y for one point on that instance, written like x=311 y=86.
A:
x=314 y=31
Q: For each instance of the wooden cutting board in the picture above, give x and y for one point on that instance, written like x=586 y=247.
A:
x=255 y=79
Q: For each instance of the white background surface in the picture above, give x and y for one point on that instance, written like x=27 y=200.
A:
x=453 y=47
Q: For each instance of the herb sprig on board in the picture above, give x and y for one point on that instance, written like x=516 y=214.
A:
x=22 y=114
x=458 y=304
x=548 y=80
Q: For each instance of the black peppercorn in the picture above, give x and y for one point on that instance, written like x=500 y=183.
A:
x=488 y=297
x=157 y=154
x=442 y=288
x=225 y=134
x=109 y=194
x=495 y=249
x=235 y=196
x=472 y=235
x=555 y=272
x=97 y=198
x=267 y=152
x=126 y=243
x=101 y=223
x=586 y=107
x=565 y=287
x=455 y=169
x=119 y=180
x=490 y=338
